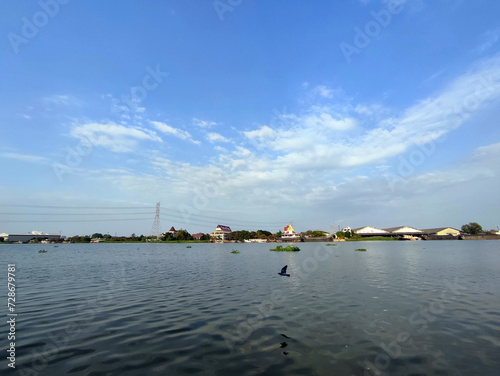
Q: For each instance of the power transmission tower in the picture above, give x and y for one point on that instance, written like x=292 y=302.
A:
x=155 y=230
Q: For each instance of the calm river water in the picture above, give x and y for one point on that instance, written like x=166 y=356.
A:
x=400 y=308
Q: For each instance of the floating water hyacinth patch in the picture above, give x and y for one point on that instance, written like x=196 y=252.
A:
x=361 y=250
x=288 y=248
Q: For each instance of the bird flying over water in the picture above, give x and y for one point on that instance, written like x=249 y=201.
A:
x=283 y=271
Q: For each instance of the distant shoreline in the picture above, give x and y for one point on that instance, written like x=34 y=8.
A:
x=307 y=240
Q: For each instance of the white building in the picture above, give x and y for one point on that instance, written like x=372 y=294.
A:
x=441 y=231
x=29 y=236
x=221 y=232
x=370 y=231
x=403 y=230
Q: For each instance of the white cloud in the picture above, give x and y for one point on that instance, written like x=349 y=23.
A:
x=242 y=152
x=488 y=40
x=481 y=165
x=323 y=91
x=216 y=137
x=25 y=157
x=326 y=121
x=434 y=77
x=117 y=138
x=319 y=139
x=59 y=99
x=253 y=180
x=318 y=156
x=167 y=129
x=370 y=109
x=126 y=107
x=435 y=116
x=203 y=123
x=262 y=134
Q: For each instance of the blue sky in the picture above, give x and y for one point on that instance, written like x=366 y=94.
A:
x=248 y=113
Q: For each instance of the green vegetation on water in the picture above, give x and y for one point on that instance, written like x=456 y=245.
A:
x=188 y=246
x=331 y=244
x=288 y=248
x=361 y=250
x=42 y=251
x=235 y=251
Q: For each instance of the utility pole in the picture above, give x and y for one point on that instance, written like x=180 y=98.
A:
x=155 y=230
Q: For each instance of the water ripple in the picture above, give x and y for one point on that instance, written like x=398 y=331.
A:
x=131 y=309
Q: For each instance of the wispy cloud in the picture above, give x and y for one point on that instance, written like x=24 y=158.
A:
x=25 y=157
x=488 y=40
x=167 y=129
x=317 y=138
x=203 y=123
x=262 y=134
x=321 y=94
x=323 y=91
x=324 y=120
x=115 y=137
x=127 y=110
x=481 y=165
x=216 y=137
x=59 y=99
x=310 y=148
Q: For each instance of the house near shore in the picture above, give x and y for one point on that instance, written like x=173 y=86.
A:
x=406 y=231
x=289 y=233
x=220 y=233
x=403 y=230
x=441 y=231
x=370 y=231
x=197 y=236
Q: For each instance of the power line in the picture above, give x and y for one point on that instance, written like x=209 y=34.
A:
x=77 y=207
x=173 y=215
x=76 y=214
x=155 y=230
x=196 y=221
x=170 y=210
x=78 y=220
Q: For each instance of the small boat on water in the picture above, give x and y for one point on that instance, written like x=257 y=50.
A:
x=410 y=238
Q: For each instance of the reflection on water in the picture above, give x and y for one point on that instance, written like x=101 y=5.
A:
x=401 y=308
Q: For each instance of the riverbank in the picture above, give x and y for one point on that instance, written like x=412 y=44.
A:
x=298 y=240
x=481 y=237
